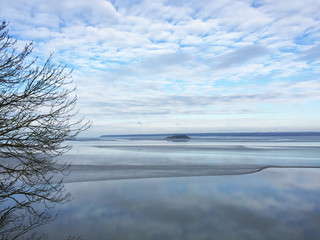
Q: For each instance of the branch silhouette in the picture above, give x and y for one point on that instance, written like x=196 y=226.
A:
x=37 y=115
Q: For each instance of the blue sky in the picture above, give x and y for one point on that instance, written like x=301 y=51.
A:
x=182 y=66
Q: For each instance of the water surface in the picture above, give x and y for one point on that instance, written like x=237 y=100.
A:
x=230 y=188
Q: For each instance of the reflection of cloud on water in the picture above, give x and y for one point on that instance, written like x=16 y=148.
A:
x=256 y=206
x=299 y=180
x=265 y=192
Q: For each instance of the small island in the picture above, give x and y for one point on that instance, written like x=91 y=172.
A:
x=178 y=138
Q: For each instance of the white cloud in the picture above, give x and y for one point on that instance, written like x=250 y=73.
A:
x=181 y=57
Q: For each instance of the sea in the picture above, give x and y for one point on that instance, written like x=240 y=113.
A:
x=211 y=186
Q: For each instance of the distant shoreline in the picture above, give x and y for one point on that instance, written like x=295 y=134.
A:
x=235 y=134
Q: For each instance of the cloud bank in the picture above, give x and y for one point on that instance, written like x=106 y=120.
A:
x=176 y=61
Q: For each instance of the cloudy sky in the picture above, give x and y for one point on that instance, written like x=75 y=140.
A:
x=158 y=66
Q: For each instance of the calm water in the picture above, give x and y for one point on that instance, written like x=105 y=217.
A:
x=241 y=188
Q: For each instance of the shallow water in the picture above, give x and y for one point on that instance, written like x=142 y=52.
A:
x=143 y=158
x=272 y=204
x=242 y=188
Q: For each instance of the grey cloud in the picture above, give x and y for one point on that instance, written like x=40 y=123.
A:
x=209 y=100
x=161 y=63
x=185 y=104
x=240 y=56
x=164 y=61
x=310 y=54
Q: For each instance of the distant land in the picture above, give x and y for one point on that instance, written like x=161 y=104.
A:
x=235 y=134
x=178 y=136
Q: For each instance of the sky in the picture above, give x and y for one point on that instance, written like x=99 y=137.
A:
x=178 y=66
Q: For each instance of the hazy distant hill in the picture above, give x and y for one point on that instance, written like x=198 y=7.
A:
x=239 y=134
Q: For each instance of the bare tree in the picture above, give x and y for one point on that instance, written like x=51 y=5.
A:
x=36 y=117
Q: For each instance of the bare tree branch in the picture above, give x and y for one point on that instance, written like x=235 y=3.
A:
x=37 y=115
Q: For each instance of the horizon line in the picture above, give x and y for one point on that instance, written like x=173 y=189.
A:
x=293 y=133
